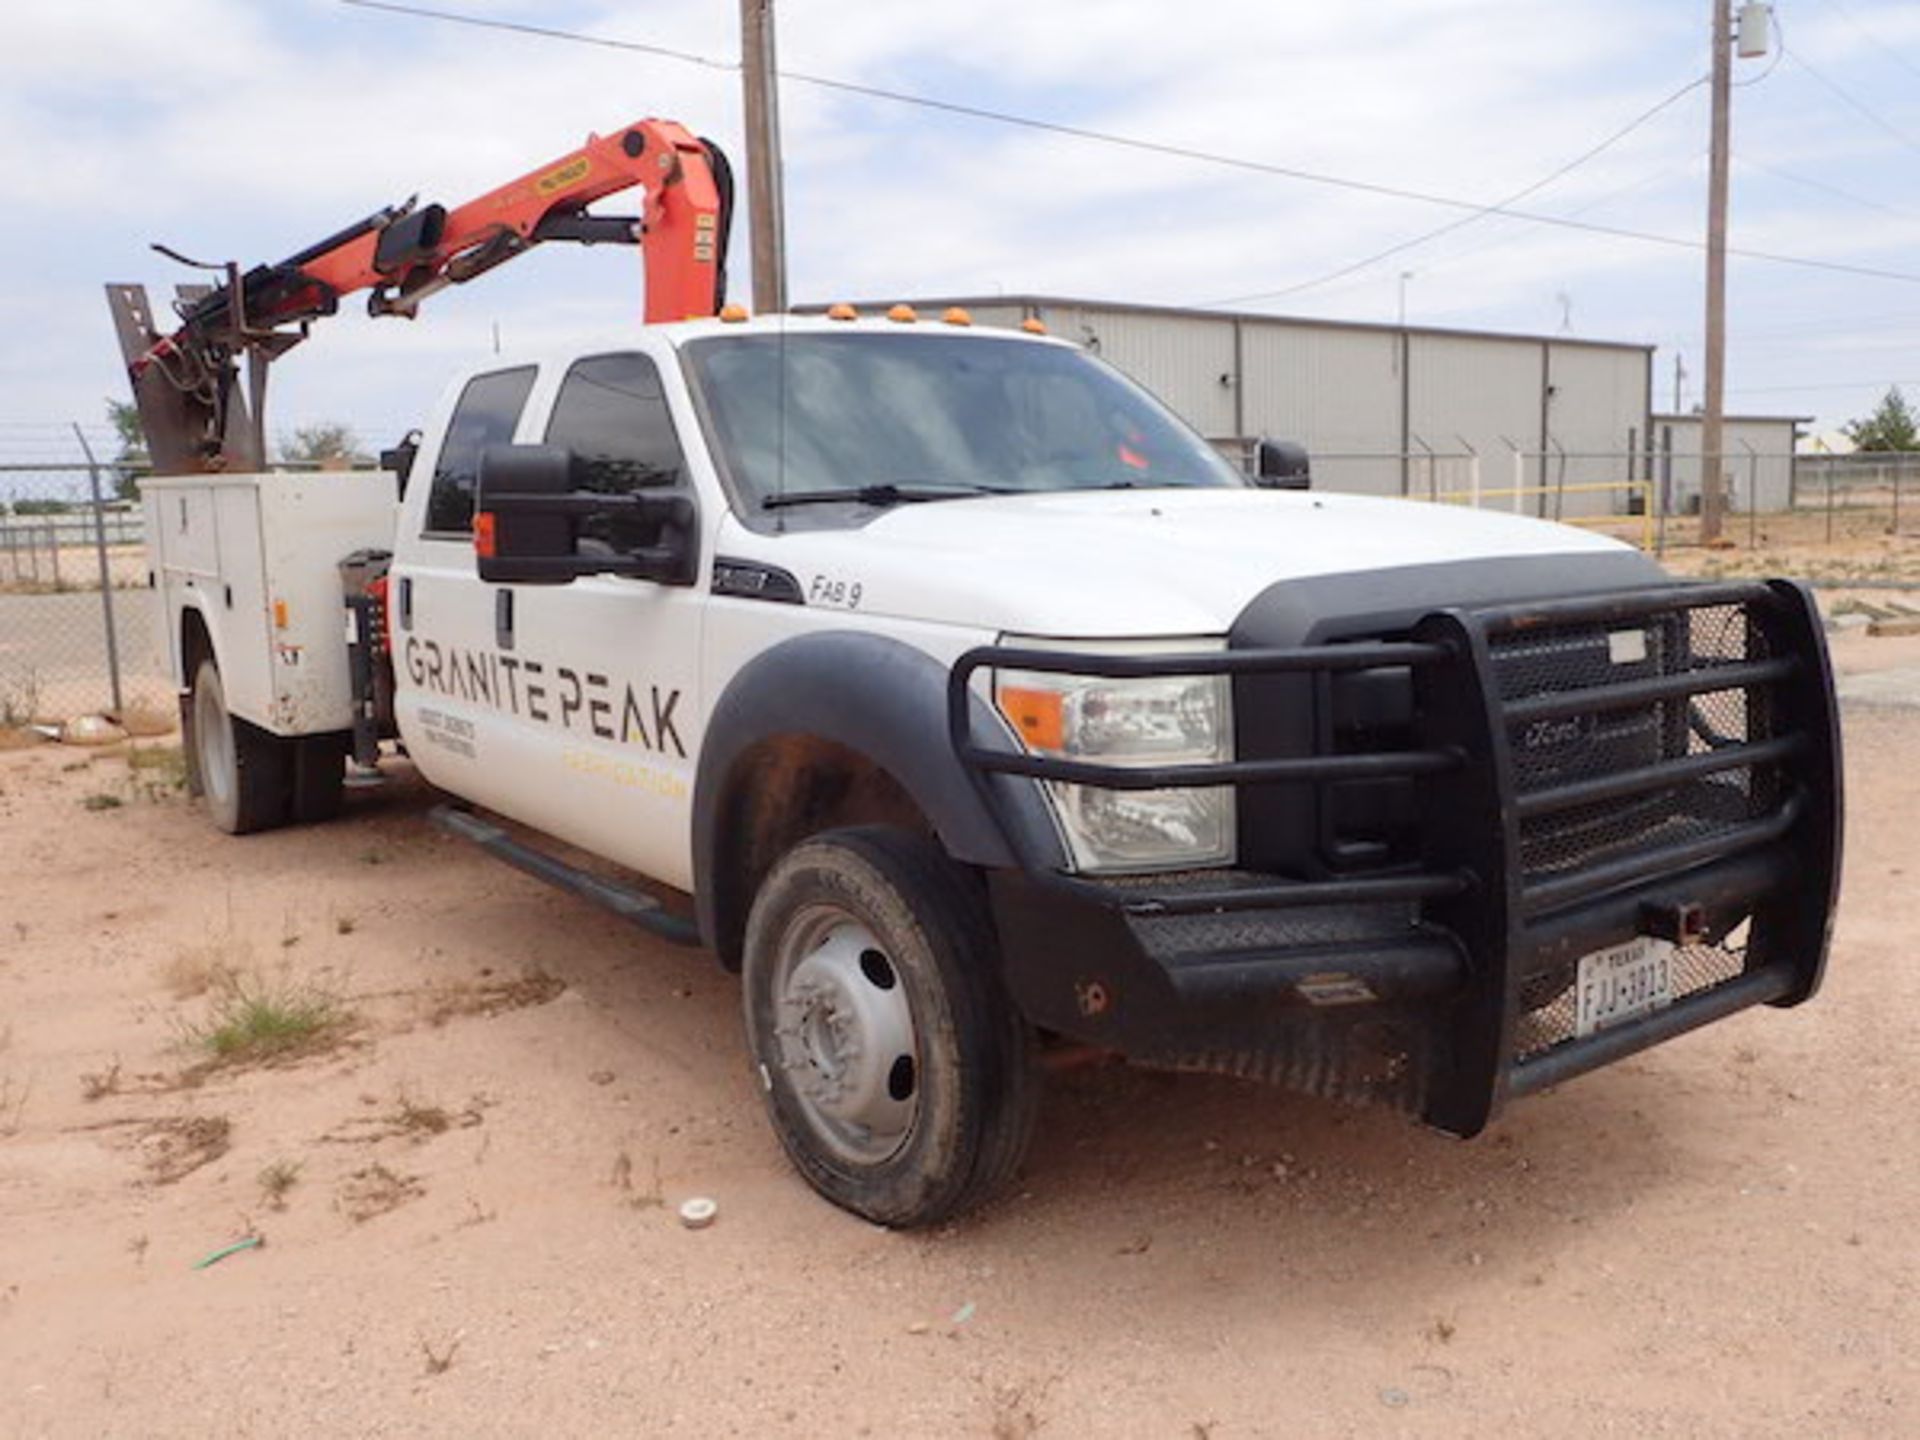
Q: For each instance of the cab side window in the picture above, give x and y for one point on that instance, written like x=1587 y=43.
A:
x=487 y=412
x=611 y=412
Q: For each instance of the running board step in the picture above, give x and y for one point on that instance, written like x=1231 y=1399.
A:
x=634 y=906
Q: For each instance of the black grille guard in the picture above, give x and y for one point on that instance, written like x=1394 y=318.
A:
x=1470 y=881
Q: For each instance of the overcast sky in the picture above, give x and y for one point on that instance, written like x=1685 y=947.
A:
x=247 y=129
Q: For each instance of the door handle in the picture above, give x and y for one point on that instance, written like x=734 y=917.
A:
x=503 y=618
x=406 y=602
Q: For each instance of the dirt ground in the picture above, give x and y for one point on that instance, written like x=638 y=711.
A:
x=465 y=1188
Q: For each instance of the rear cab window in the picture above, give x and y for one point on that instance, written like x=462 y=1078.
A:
x=611 y=412
x=487 y=413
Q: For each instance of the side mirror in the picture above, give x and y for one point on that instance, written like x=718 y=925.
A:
x=535 y=523
x=1282 y=465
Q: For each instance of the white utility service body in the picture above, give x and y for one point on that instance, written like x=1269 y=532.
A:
x=256 y=558
x=963 y=694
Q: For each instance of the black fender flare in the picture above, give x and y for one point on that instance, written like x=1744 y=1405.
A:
x=885 y=700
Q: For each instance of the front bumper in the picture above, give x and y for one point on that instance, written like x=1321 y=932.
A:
x=1688 y=789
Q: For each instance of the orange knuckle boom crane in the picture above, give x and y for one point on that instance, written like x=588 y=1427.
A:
x=186 y=383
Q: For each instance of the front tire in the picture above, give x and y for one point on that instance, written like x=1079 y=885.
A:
x=897 y=1073
x=243 y=770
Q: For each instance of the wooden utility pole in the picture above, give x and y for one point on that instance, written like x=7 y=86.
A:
x=766 y=210
x=1712 y=438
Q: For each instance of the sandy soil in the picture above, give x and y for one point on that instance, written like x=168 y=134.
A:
x=1714 y=1239
x=44 y=569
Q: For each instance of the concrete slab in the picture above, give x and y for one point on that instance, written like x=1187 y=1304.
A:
x=1898 y=688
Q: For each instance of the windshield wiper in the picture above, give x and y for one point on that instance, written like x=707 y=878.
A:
x=884 y=494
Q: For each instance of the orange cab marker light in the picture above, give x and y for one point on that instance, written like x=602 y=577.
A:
x=902 y=315
x=733 y=314
x=483 y=536
x=1039 y=715
x=279 y=614
x=840 y=310
x=1033 y=326
x=956 y=316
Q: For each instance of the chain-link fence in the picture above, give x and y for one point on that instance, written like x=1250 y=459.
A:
x=79 y=632
x=1838 y=497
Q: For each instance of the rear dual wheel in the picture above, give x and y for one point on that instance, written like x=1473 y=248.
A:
x=255 y=781
x=896 y=1071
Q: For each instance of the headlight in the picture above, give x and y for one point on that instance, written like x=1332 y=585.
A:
x=1174 y=720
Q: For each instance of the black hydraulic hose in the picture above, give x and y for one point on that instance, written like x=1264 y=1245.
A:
x=723 y=182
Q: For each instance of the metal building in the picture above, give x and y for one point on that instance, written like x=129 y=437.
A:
x=1759 y=463
x=1551 y=425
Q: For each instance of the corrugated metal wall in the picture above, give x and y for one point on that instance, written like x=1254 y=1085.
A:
x=1759 y=458
x=1479 y=396
x=1188 y=361
x=1457 y=416
x=1336 y=391
x=1596 y=428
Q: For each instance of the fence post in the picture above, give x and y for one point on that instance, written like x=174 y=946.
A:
x=1899 y=469
x=1753 y=496
x=1829 y=507
x=106 y=574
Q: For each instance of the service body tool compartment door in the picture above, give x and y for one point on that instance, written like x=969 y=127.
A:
x=308 y=523
x=203 y=542
x=257 y=558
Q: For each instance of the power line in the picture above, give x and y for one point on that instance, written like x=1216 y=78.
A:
x=1574 y=164
x=1134 y=143
x=1823 y=385
x=1881 y=48
x=1831 y=189
x=545 y=32
x=1851 y=101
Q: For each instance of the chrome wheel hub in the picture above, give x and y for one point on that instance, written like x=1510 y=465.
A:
x=845 y=1035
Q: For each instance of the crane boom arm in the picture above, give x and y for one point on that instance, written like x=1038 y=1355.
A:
x=186 y=383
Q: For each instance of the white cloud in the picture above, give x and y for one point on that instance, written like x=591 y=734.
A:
x=230 y=128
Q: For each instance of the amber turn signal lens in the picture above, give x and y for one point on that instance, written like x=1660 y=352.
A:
x=483 y=541
x=1038 y=715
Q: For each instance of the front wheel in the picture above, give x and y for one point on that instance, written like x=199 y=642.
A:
x=243 y=770
x=897 y=1073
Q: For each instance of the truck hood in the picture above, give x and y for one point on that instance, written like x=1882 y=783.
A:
x=1115 y=564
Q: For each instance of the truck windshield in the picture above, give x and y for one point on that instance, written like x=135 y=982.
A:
x=810 y=417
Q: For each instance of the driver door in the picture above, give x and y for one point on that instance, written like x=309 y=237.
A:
x=607 y=704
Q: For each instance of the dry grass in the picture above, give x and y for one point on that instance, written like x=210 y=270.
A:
x=214 y=963
x=277 y=1181
x=491 y=997
x=156 y=772
x=652 y=1198
x=439 y=1356
x=98 y=1084
x=254 y=1021
x=409 y=1119
x=178 y=1146
x=20 y=701
x=144 y=721
x=375 y=1190
x=14 y=1095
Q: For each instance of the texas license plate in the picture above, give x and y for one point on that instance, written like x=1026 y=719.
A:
x=1622 y=983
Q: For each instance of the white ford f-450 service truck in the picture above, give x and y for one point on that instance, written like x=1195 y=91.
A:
x=967 y=701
